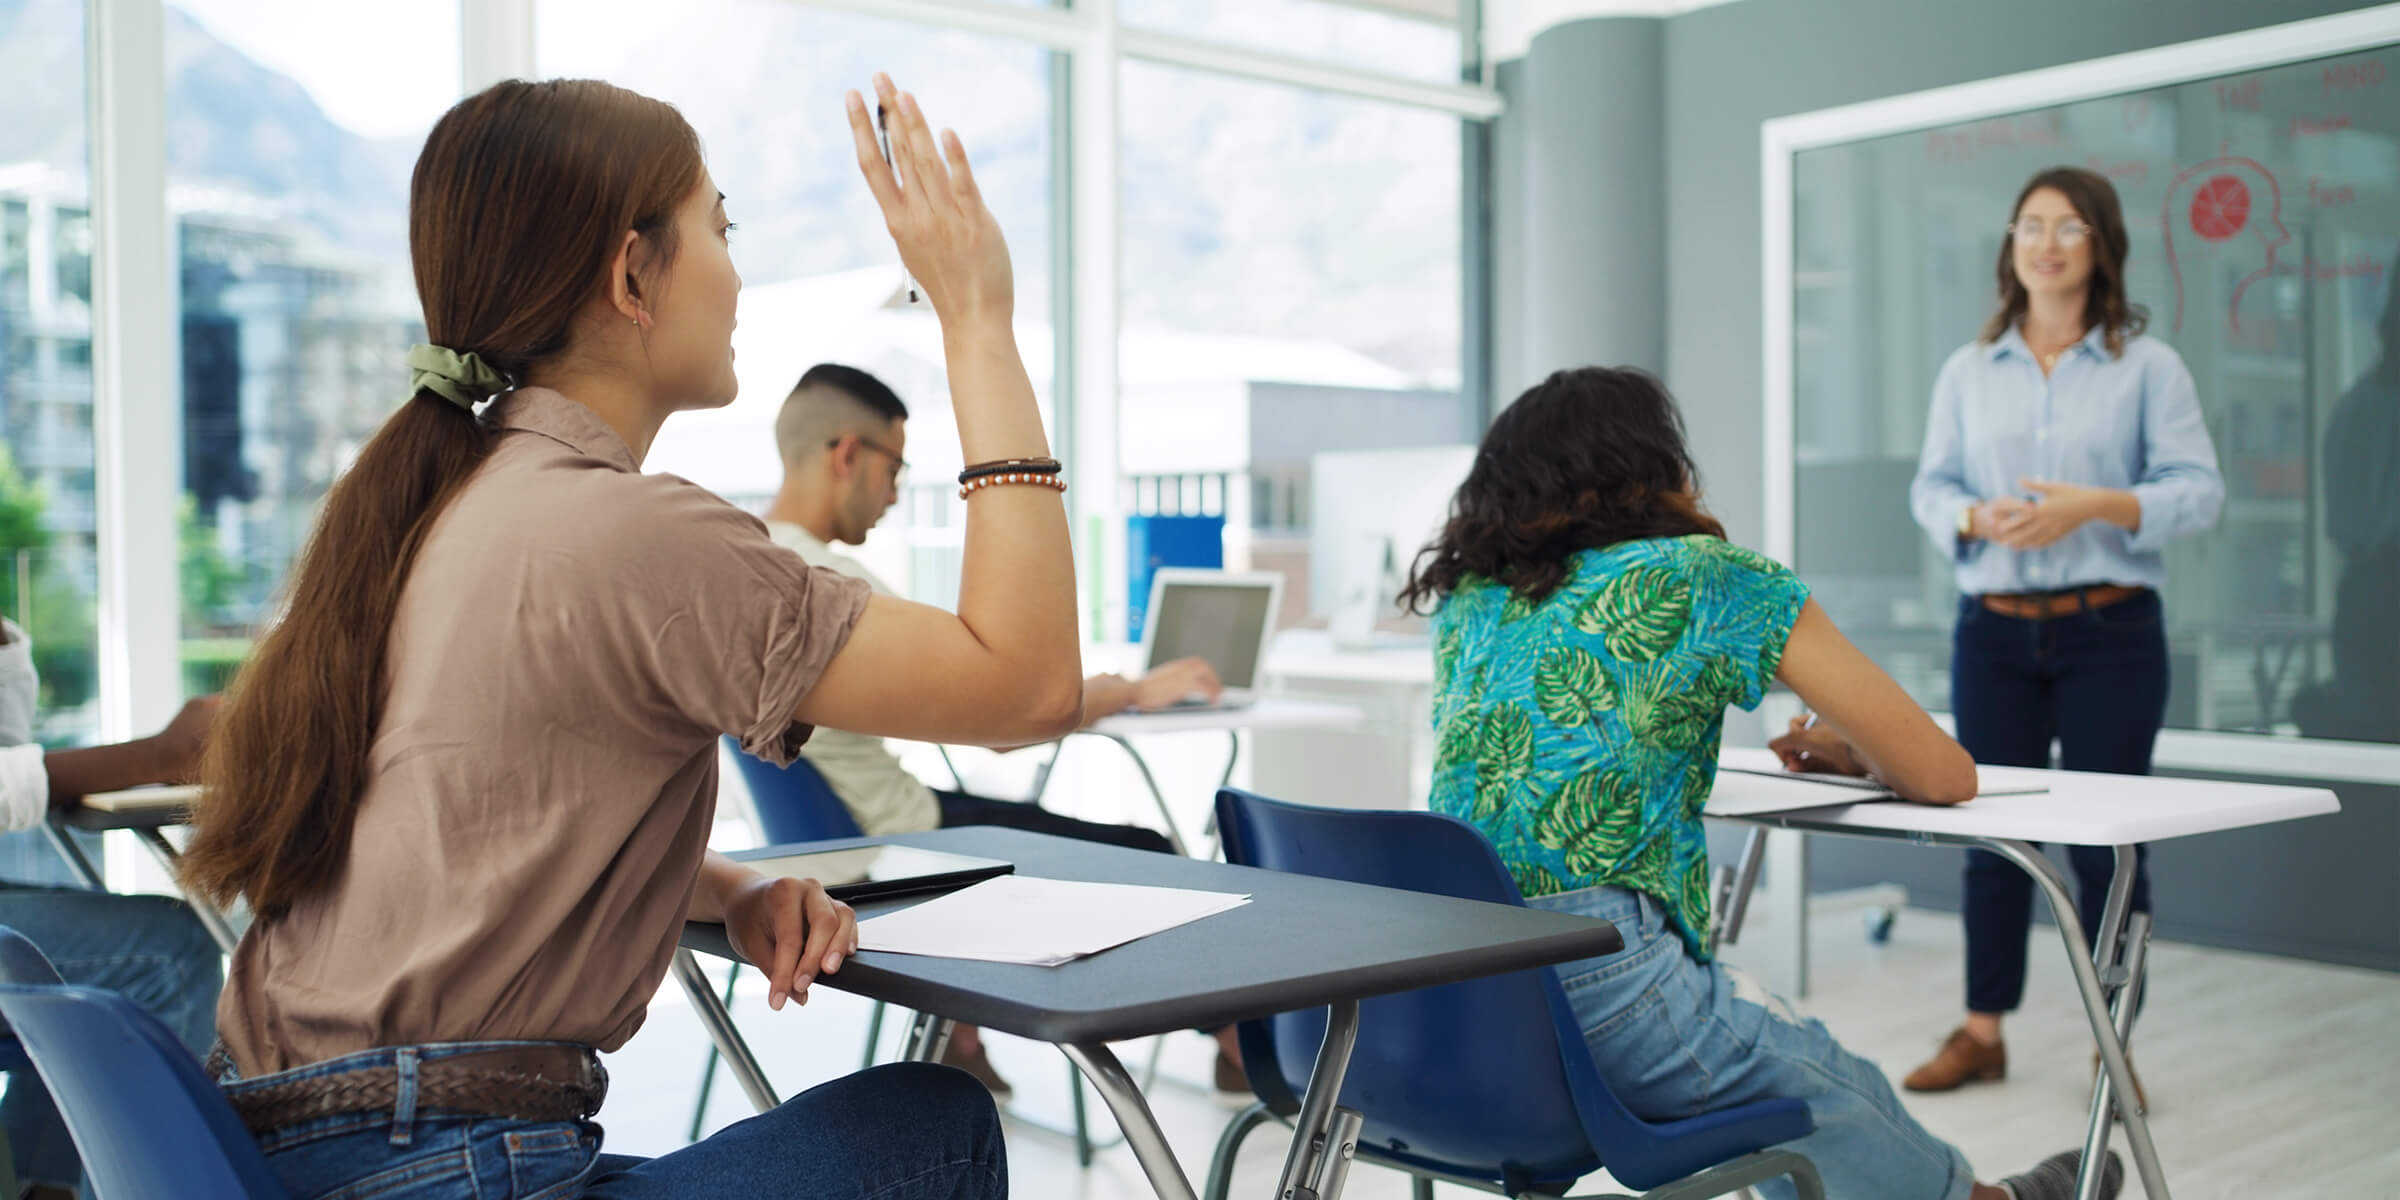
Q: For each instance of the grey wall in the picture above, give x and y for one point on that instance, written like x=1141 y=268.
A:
x=1577 y=191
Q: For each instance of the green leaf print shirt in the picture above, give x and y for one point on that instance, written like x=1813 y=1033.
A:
x=1580 y=734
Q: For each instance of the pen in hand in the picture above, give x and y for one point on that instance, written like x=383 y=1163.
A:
x=883 y=142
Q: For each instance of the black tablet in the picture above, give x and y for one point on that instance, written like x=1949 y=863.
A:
x=878 y=872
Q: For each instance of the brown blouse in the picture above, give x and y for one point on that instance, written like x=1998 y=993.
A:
x=573 y=637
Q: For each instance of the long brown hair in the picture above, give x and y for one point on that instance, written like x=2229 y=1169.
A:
x=2104 y=300
x=1582 y=461
x=519 y=201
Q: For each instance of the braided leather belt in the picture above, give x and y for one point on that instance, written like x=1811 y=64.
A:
x=2044 y=606
x=525 y=1083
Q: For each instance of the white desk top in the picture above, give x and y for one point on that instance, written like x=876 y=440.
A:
x=1270 y=712
x=2080 y=809
x=144 y=799
x=1311 y=654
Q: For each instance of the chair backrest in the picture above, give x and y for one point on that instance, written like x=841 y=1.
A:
x=794 y=803
x=1488 y=1078
x=146 y=1120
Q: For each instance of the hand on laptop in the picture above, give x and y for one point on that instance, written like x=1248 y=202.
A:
x=1176 y=682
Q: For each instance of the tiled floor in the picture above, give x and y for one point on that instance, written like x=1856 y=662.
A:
x=2268 y=1077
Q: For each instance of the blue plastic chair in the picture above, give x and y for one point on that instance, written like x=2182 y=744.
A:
x=146 y=1119
x=1487 y=1083
x=794 y=803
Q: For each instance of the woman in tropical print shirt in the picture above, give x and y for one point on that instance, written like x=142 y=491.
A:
x=1591 y=626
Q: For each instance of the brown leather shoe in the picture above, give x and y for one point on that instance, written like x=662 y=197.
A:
x=1963 y=1059
x=2141 y=1099
x=979 y=1065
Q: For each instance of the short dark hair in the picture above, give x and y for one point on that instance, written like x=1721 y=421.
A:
x=1585 y=459
x=858 y=385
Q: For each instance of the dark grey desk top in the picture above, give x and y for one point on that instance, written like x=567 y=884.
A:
x=100 y=820
x=1300 y=943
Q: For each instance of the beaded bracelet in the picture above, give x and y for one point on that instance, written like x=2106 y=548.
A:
x=1007 y=466
x=1044 y=479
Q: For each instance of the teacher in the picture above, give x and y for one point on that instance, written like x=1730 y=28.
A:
x=2064 y=451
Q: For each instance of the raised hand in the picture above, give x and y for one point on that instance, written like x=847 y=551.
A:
x=947 y=237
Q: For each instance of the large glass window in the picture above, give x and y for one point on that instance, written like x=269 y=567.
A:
x=821 y=281
x=2265 y=219
x=1415 y=38
x=1291 y=271
x=48 y=520
x=49 y=577
x=292 y=130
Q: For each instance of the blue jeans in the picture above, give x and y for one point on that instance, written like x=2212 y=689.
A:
x=2096 y=683
x=1675 y=1037
x=150 y=949
x=911 y=1131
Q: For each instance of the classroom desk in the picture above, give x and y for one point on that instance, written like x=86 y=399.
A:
x=2081 y=809
x=144 y=812
x=1301 y=943
x=1267 y=713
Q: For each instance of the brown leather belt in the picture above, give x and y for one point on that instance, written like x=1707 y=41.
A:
x=2043 y=606
x=525 y=1083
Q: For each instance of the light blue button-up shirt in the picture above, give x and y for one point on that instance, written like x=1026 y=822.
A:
x=2131 y=422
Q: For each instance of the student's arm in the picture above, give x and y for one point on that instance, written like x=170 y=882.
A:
x=1864 y=715
x=788 y=928
x=1006 y=668
x=170 y=756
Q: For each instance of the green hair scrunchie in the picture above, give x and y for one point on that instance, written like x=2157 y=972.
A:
x=462 y=379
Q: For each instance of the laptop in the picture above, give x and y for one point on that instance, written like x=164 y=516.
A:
x=875 y=872
x=1221 y=617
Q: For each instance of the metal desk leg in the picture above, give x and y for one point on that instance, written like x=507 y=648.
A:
x=928 y=1038
x=1734 y=884
x=219 y=929
x=1316 y=1155
x=2118 y=955
x=64 y=842
x=1174 y=834
x=1099 y=1064
x=719 y=1024
x=2096 y=1009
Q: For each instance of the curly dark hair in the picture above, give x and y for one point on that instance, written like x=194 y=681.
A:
x=2105 y=303
x=1585 y=459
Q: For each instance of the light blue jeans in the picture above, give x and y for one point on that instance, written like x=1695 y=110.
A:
x=149 y=949
x=908 y=1131
x=1675 y=1038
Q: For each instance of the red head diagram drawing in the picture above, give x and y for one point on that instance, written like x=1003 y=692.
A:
x=2220 y=208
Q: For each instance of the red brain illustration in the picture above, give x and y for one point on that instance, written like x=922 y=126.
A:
x=2221 y=208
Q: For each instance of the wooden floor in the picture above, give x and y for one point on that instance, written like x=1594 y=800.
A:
x=2267 y=1077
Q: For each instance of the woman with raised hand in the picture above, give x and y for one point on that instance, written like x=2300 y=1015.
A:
x=466 y=782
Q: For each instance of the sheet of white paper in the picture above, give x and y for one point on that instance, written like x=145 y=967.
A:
x=1740 y=792
x=1023 y=919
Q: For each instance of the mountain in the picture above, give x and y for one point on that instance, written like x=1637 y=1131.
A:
x=231 y=124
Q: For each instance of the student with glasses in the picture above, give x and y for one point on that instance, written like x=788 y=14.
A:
x=2065 y=449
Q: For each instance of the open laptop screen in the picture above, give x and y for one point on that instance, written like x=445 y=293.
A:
x=1223 y=624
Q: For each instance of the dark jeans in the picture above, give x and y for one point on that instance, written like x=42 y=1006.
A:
x=2096 y=683
x=909 y=1131
x=959 y=808
x=149 y=949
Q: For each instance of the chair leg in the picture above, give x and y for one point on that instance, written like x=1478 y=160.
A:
x=1083 y=1120
x=1736 y=1177
x=874 y=1036
x=1229 y=1145
x=708 y=1069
